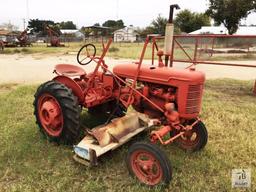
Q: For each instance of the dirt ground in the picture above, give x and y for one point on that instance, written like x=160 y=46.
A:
x=36 y=68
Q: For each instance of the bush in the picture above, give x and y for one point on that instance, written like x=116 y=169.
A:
x=6 y=51
x=113 y=49
x=25 y=50
x=16 y=51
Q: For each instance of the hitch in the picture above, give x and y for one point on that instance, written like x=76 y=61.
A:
x=165 y=130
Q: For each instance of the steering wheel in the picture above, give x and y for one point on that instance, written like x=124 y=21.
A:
x=86 y=54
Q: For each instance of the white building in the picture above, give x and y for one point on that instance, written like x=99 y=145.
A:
x=74 y=32
x=242 y=30
x=127 y=34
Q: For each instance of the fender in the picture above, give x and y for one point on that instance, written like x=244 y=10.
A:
x=70 y=83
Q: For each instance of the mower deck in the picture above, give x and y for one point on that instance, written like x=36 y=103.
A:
x=121 y=130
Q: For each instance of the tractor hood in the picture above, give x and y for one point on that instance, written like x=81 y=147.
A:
x=159 y=74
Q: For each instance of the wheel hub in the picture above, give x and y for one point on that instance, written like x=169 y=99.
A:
x=50 y=115
x=50 y=111
x=146 y=168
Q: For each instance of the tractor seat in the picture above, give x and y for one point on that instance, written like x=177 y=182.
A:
x=69 y=70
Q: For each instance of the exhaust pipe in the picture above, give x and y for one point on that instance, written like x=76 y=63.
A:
x=169 y=30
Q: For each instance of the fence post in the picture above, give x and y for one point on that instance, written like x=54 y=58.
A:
x=254 y=89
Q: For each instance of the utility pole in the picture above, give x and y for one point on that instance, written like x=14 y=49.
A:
x=24 y=23
x=27 y=8
x=117 y=9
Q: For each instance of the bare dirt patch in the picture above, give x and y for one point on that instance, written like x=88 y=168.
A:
x=37 y=68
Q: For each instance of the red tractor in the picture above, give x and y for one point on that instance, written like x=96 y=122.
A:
x=166 y=99
x=54 y=37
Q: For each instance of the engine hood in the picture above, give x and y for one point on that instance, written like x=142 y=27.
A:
x=158 y=74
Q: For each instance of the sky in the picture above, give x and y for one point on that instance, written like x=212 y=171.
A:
x=138 y=13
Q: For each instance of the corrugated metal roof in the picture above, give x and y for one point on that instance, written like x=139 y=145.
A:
x=127 y=30
x=69 y=31
x=243 y=30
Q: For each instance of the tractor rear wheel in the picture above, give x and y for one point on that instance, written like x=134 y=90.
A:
x=195 y=139
x=57 y=112
x=149 y=164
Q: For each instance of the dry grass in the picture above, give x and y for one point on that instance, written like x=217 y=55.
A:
x=29 y=163
x=123 y=50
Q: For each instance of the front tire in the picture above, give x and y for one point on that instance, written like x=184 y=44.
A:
x=57 y=112
x=195 y=139
x=148 y=164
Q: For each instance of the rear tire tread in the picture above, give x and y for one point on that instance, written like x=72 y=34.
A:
x=70 y=110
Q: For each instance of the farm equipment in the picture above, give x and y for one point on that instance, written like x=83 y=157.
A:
x=54 y=37
x=1 y=45
x=164 y=99
x=23 y=39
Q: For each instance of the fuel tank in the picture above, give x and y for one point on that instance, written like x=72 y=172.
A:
x=162 y=75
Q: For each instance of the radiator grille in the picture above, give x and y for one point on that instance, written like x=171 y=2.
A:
x=194 y=99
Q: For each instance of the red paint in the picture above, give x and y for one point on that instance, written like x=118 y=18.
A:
x=69 y=70
x=160 y=133
x=50 y=115
x=160 y=86
x=75 y=86
x=54 y=37
x=187 y=82
x=146 y=167
x=23 y=38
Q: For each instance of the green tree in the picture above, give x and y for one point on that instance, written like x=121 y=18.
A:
x=230 y=12
x=97 y=25
x=159 y=24
x=37 y=26
x=188 y=21
x=119 y=24
x=145 y=31
x=67 y=25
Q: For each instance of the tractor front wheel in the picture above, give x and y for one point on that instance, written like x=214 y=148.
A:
x=148 y=164
x=195 y=139
x=57 y=112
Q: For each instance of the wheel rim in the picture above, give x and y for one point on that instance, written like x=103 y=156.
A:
x=50 y=115
x=146 y=167
x=190 y=139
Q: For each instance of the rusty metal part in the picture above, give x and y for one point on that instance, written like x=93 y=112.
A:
x=158 y=135
x=93 y=161
x=115 y=130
